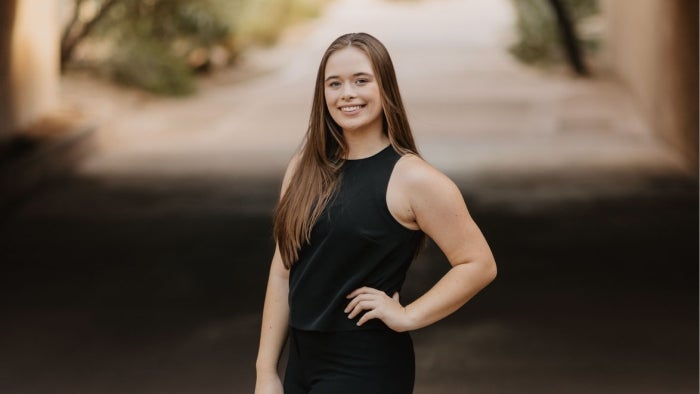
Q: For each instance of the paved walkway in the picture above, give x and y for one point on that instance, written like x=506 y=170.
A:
x=145 y=273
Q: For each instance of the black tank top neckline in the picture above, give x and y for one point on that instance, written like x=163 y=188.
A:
x=370 y=156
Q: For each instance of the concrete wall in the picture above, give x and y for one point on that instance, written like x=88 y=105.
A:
x=29 y=62
x=652 y=45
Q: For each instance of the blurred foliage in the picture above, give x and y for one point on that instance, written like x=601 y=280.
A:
x=150 y=65
x=262 y=21
x=154 y=41
x=159 y=45
x=538 y=33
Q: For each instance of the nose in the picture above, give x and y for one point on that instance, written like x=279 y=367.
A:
x=348 y=92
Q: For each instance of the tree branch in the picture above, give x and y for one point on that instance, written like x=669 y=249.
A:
x=71 y=40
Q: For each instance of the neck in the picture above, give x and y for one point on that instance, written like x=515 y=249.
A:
x=365 y=143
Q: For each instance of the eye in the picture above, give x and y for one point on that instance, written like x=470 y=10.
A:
x=361 y=81
x=333 y=84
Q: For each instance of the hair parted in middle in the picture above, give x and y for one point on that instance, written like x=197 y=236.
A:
x=324 y=148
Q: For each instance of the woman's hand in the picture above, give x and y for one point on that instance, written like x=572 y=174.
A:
x=268 y=383
x=378 y=305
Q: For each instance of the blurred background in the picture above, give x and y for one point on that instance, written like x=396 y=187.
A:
x=143 y=142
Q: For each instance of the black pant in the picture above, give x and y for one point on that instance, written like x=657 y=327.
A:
x=352 y=362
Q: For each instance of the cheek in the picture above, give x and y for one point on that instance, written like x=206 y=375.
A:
x=377 y=95
x=330 y=97
x=377 y=98
x=330 y=105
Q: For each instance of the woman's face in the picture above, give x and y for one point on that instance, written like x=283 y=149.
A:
x=352 y=92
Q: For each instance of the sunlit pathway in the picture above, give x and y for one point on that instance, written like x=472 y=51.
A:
x=145 y=273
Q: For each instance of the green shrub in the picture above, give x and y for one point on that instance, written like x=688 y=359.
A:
x=155 y=40
x=159 y=45
x=152 y=66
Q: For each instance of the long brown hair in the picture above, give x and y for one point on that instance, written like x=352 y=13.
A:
x=324 y=148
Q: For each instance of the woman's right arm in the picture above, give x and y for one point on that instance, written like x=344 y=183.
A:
x=274 y=328
x=275 y=319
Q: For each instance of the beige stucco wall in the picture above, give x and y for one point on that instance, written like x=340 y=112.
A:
x=29 y=62
x=652 y=45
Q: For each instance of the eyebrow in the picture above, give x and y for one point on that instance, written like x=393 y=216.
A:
x=354 y=75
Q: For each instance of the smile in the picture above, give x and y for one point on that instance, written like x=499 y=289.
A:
x=351 y=108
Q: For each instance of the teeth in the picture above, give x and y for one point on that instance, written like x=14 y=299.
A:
x=350 y=109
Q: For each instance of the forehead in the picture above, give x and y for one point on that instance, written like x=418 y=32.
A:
x=347 y=62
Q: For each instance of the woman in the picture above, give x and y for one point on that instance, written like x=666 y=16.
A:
x=356 y=202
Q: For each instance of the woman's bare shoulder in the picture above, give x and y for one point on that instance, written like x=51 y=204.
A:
x=412 y=170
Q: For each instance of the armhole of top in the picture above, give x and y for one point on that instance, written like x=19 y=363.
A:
x=386 y=202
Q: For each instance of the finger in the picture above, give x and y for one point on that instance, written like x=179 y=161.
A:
x=361 y=306
x=356 y=292
x=367 y=316
x=362 y=290
x=353 y=303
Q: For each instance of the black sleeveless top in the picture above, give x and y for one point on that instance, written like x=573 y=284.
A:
x=355 y=242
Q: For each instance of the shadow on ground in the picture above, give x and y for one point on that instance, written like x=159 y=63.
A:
x=137 y=285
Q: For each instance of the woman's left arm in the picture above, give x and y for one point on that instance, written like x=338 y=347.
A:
x=436 y=205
